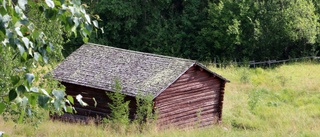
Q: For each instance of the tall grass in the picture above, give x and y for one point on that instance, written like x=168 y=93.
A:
x=282 y=101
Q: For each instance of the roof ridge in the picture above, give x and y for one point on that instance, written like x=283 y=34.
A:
x=139 y=52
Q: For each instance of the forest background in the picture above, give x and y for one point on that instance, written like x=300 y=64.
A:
x=208 y=30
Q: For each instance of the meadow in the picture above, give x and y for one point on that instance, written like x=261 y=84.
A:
x=279 y=101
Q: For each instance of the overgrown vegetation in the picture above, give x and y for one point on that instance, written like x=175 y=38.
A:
x=119 y=115
x=145 y=116
x=263 y=106
x=144 y=108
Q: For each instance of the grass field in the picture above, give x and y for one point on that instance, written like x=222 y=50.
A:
x=282 y=101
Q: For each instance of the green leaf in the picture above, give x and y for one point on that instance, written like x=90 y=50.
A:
x=76 y=2
x=37 y=56
x=34 y=89
x=58 y=3
x=15 y=80
x=59 y=94
x=2 y=107
x=70 y=98
x=36 y=34
x=95 y=23
x=22 y=4
x=17 y=29
x=42 y=100
x=57 y=104
x=26 y=42
x=29 y=78
x=24 y=56
x=6 y=18
x=12 y=95
x=45 y=92
x=85 y=39
x=33 y=100
x=87 y=18
x=79 y=99
x=21 y=89
x=24 y=29
x=18 y=100
x=49 y=47
x=88 y=27
x=24 y=102
x=51 y=13
x=50 y=3
x=102 y=30
x=4 y=3
x=76 y=21
x=45 y=59
x=21 y=49
x=2 y=34
x=95 y=102
x=69 y=109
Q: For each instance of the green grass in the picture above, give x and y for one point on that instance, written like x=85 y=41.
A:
x=283 y=101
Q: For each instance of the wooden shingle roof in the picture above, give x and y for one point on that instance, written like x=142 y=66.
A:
x=98 y=66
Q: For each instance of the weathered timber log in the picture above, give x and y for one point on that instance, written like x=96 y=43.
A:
x=175 y=110
x=182 y=111
x=88 y=112
x=190 y=86
x=179 y=97
x=184 y=94
x=190 y=101
x=187 y=114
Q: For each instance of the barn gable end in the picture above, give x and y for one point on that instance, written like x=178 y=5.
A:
x=192 y=100
x=185 y=92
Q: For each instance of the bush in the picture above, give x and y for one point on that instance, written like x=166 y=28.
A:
x=144 y=113
x=119 y=107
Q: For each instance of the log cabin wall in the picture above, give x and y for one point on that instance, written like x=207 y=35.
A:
x=102 y=109
x=194 y=99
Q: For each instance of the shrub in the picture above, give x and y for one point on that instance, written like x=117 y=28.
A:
x=145 y=116
x=119 y=107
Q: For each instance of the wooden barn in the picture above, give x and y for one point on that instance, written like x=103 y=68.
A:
x=184 y=91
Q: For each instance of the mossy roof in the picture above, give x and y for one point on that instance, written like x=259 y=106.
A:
x=99 y=66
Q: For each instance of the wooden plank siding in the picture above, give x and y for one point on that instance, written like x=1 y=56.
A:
x=101 y=109
x=194 y=99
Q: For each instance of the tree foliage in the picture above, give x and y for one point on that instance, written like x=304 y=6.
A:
x=204 y=30
x=31 y=33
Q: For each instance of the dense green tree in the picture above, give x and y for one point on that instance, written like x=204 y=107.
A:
x=204 y=30
x=261 y=30
x=163 y=27
x=231 y=31
x=289 y=28
x=29 y=35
